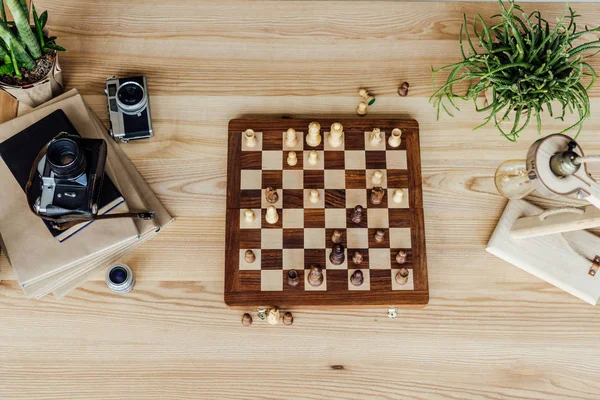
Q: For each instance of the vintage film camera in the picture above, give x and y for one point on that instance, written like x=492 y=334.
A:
x=71 y=173
x=128 y=108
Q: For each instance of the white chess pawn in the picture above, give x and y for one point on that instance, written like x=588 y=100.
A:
x=292 y=158
x=398 y=196
x=395 y=138
x=313 y=138
x=290 y=138
x=249 y=215
x=250 y=137
x=336 y=134
x=377 y=178
x=314 y=196
x=362 y=108
x=271 y=216
x=313 y=157
x=376 y=137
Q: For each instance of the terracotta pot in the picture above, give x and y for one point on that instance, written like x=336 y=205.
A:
x=40 y=92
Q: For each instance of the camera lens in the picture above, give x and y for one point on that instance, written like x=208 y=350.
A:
x=131 y=97
x=65 y=158
x=120 y=279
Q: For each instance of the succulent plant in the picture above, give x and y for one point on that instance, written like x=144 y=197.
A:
x=524 y=66
x=21 y=44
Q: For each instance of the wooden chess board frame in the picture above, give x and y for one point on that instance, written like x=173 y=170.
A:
x=244 y=287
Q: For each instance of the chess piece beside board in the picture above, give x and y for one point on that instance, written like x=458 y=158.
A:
x=324 y=212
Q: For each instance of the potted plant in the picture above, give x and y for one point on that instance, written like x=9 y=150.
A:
x=29 y=69
x=524 y=67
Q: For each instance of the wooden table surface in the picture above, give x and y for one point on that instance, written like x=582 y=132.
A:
x=490 y=331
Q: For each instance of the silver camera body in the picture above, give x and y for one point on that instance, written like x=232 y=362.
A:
x=128 y=108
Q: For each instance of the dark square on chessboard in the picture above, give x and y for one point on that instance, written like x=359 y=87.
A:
x=334 y=160
x=335 y=198
x=273 y=179
x=399 y=217
x=265 y=225
x=314 y=257
x=351 y=224
x=314 y=179
x=293 y=198
x=356 y=179
x=365 y=261
x=314 y=218
x=271 y=259
x=329 y=234
x=251 y=160
x=272 y=140
x=354 y=139
x=300 y=287
x=409 y=258
x=373 y=244
x=293 y=238
x=299 y=165
x=375 y=159
x=250 y=238
x=250 y=198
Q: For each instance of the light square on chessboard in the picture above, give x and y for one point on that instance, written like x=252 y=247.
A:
x=409 y=285
x=335 y=179
x=355 y=197
x=335 y=218
x=309 y=287
x=264 y=203
x=251 y=179
x=400 y=237
x=272 y=160
x=355 y=159
x=271 y=280
x=293 y=218
x=293 y=259
x=392 y=203
x=299 y=144
x=379 y=259
x=320 y=160
x=250 y=225
x=377 y=218
x=244 y=266
x=329 y=265
x=258 y=147
x=396 y=159
x=271 y=239
x=366 y=281
x=357 y=238
x=314 y=238
x=369 y=178
x=329 y=147
x=380 y=146
x=309 y=204
x=293 y=179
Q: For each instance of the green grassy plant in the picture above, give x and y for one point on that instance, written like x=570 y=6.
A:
x=20 y=43
x=525 y=65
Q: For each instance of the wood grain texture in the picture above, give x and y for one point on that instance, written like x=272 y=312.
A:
x=490 y=331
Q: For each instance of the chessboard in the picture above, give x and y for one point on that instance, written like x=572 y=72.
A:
x=284 y=212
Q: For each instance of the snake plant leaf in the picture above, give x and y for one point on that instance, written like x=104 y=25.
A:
x=2 y=11
x=43 y=18
x=15 y=46
x=25 y=32
x=38 y=26
x=52 y=46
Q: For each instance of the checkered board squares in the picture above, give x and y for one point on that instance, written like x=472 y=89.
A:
x=301 y=237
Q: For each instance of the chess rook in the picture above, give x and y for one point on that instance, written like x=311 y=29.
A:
x=273 y=316
x=337 y=256
x=313 y=138
x=377 y=194
x=336 y=134
x=271 y=195
x=357 y=258
x=357 y=214
x=249 y=256
x=379 y=236
x=271 y=216
x=395 y=138
x=336 y=237
x=293 y=278
x=250 y=138
x=292 y=158
x=375 y=137
x=357 y=278
x=288 y=318
x=398 y=196
x=313 y=157
x=249 y=215
x=401 y=257
x=402 y=276
x=314 y=196
x=291 y=138
x=315 y=276
x=377 y=178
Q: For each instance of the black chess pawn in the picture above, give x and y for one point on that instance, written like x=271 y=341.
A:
x=315 y=276
x=357 y=278
x=357 y=214
x=337 y=256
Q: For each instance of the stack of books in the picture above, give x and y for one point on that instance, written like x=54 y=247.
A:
x=47 y=260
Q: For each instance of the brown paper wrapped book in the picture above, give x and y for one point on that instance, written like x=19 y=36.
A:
x=42 y=264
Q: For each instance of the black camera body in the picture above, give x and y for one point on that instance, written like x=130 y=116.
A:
x=128 y=108
x=71 y=174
